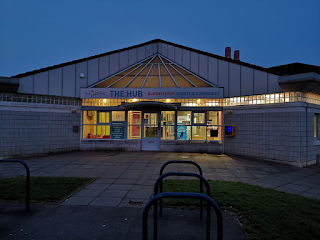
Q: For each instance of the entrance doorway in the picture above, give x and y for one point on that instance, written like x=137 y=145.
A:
x=150 y=137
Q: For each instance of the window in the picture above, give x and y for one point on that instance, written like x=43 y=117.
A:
x=89 y=124
x=184 y=125
x=199 y=126
x=315 y=126
x=98 y=125
x=134 y=125
x=214 y=125
x=168 y=120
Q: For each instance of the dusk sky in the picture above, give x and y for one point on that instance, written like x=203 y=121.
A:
x=35 y=34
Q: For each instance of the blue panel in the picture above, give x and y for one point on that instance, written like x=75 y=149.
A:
x=93 y=73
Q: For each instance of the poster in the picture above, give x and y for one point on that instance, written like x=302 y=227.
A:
x=182 y=133
x=117 y=132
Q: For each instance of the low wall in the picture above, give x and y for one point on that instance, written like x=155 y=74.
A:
x=27 y=131
x=165 y=146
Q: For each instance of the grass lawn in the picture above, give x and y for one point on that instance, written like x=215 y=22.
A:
x=264 y=213
x=45 y=190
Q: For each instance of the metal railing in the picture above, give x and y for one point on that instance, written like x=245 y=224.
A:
x=159 y=182
x=160 y=196
x=27 y=180
x=182 y=162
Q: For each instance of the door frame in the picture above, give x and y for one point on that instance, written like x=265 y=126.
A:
x=144 y=146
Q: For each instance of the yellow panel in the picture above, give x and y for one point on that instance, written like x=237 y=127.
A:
x=145 y=71
x=165 y=61
x=122 y=82
x=171 y=70
x=156 y=60
x=137 y=82
x=180 y=69
x=136 y=71
x=127 y=71
x=146 y=61
x=198 y=82
x=163 y=70
x=154 y=71
x=166 y=81
x=152 y=82
x=107 y=82
x=182 y=82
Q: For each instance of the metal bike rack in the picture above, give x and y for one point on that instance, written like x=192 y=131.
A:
x=179 y=162
x=183 y=195
x=159 y=182
x=27 y=180
x=176 y=161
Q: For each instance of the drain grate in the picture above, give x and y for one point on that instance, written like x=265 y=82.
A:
x=135 y=203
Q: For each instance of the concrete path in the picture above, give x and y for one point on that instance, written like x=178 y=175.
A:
x=127 y=178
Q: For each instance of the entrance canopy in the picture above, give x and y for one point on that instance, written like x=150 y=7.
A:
x=153 y=78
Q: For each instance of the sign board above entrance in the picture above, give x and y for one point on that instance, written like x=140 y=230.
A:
x=151 y=93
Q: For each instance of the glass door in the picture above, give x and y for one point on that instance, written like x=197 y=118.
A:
x=151 y=131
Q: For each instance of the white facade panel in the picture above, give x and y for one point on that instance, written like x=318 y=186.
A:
x=104 y=67
x=186 y=58
x=171 y=52
x=93 y=71
x=234 y=80
x=260 y=82
x=26 y=85
x=81 y=67
x=41 y=83
x=246 y=81
x=149 y=50
x=203 y=66
x=178 y=55
x=114 y=63
x=141 y=53
x=213 y=70
x=55 y=82
x=194 y=60
x=69 y=81
x=224 y=77
x=155 y=48
x=273 y=85
x=164 y=49
x=133 y=56
x=124 y=59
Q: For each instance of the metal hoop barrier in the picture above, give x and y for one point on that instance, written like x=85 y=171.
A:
x=159 y=182
x=185 y=162
x=183 y=195
x=176 y=161
x=27 y=180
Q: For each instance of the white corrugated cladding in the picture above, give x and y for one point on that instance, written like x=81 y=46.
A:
x=235 y=79
x=65 y=81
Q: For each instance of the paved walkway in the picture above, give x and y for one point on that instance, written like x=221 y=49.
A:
x=127 y=178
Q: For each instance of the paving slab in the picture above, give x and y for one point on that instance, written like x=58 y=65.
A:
x=52 y=222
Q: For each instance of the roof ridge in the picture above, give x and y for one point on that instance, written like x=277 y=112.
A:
x=143 y=44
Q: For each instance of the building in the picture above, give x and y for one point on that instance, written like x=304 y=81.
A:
x=160 y=96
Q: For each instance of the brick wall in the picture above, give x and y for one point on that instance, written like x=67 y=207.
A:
x=35 y=132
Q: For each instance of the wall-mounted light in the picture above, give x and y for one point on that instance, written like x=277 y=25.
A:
x=81 y=75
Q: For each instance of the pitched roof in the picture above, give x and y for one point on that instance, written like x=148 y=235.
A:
x=269 y=70
x=296 y=68
x=154 y=72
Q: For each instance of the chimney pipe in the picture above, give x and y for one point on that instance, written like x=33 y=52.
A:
x=228 y=52
x=236 y=55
